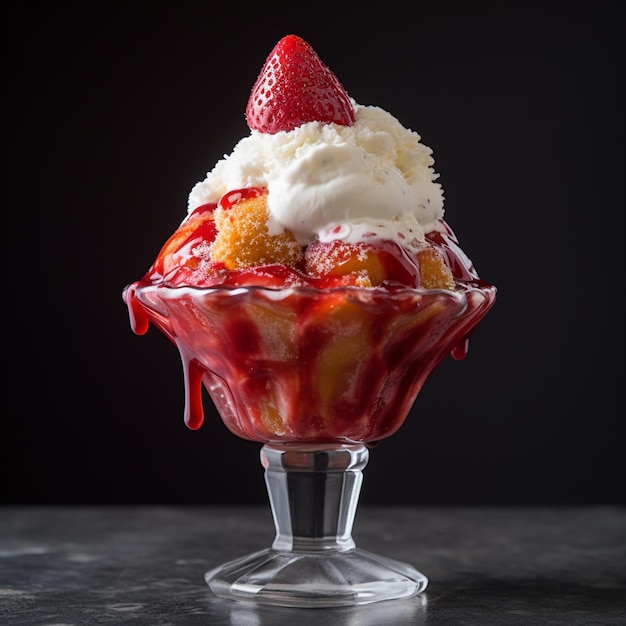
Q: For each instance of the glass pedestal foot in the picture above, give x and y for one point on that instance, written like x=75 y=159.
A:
x=314 y=561
x=308 y=580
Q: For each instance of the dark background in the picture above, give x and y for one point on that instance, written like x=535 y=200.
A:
x=114 y=110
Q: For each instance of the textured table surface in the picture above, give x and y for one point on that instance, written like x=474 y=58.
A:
x=145 y=565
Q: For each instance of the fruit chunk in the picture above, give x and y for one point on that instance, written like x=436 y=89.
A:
x=243 y=239
x=295 y=87
x=434 y=271
x=338 y=258
x=187 y=248
x=361 y=264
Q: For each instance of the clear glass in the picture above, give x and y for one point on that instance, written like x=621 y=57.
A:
x=314 y=560
x=317 y=377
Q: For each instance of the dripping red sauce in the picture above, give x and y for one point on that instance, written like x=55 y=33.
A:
x=194 y=410
x=139 y=320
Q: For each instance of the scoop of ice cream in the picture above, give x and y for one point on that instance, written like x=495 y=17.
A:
x=370 y=176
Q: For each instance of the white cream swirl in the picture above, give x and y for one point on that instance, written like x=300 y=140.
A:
x=374 y=178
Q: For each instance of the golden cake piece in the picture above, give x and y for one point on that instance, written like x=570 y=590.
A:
x=243 y=239
x=434 y=271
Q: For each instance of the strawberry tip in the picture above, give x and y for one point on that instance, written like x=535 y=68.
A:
x=295 y=87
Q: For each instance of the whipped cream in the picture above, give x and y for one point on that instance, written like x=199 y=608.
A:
x=327 y=181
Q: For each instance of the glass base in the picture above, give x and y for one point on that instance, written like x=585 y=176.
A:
x=314 y=561
x=324 y=579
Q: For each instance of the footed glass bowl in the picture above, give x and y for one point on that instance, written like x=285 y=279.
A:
x=317 y=377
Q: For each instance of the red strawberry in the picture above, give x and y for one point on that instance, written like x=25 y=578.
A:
x=295 y=87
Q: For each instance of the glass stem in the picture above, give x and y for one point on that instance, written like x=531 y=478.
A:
x=313 y=492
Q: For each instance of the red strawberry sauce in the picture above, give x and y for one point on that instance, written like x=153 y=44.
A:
x=306 y=365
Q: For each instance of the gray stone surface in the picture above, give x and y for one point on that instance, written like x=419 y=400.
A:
x=145 y=565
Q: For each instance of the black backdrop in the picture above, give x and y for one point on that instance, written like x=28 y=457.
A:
x=114 y=110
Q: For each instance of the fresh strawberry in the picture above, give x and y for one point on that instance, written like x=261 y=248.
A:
x=295 y=87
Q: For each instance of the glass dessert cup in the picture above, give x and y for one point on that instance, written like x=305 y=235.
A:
x=317 y=377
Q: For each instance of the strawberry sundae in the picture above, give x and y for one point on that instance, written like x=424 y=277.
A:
x=311 y=289
x=313 y=284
